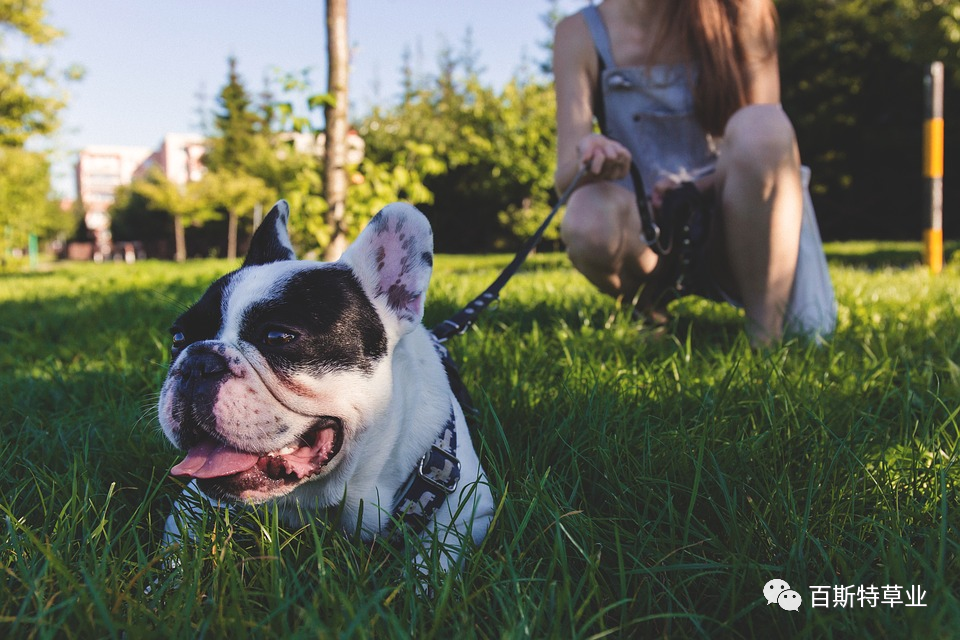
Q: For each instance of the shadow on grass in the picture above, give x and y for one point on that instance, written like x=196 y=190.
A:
x=79 y=377
x=877 y=255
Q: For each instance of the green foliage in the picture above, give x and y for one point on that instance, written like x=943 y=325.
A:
x=236 y=193
x=852 y=78
x=29 y=18
x=480 y=161
x=132 y=218
x=298 y=175
x=295 y=175
x=24 y=189
x=486 y=156
x=30 y=99
x=233 y=191
x=164 y=196
x=529 y=156
x=30 y=102
x=299 y=104
x=249 y=161
x=647 y=486
x=297 y=178
x=239 y=140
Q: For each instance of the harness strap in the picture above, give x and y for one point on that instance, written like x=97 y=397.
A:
x=598 y=31
x=436 y=476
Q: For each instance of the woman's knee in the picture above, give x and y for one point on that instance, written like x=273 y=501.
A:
x=593 y=223
x=760 y=135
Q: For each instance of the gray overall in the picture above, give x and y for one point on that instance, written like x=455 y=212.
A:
x=649 y=110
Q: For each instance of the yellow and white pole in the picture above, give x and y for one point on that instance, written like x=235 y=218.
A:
x=933 y=168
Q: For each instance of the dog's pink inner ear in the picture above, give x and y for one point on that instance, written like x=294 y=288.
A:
x=393 y=259
x=402 y=275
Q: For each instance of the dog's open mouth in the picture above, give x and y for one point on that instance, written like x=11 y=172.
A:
x=227 y=472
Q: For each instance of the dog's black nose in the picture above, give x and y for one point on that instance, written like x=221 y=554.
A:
x=202 y=366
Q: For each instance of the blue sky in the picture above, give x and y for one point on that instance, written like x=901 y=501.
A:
x=146 y=60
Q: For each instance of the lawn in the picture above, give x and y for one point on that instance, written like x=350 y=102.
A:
x=647 y=485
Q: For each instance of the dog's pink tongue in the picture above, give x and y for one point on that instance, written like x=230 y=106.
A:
x=211 y=459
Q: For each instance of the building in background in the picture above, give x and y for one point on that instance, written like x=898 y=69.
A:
x=179 y=158
x=103 y=168
x=313 y=143
x=100 y=170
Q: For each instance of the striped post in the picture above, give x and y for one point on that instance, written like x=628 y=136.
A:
x=933 y=168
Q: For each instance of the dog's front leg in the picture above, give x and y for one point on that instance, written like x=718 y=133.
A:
x=186 y=515
x=459 y=525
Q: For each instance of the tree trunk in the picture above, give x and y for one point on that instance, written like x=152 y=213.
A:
x=231 y=235
x=335 y=151
x=179 y=238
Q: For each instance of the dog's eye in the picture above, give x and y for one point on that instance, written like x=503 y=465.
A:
x=179 y=341
x=278 y=337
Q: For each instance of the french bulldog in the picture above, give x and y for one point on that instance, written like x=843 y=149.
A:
x=315 y=386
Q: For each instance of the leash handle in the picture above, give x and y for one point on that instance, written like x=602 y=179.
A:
x=462 y=320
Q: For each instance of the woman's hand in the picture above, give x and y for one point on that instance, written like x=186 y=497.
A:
x=660 y=190
x=704 y=184
x=606 y=159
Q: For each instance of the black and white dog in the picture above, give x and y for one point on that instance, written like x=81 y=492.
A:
x=317 y=387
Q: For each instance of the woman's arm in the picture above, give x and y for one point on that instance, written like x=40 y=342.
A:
x=576 y=72
x=758 y=27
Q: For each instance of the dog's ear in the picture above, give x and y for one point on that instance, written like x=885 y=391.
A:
x=271 y=241
x=393 y=259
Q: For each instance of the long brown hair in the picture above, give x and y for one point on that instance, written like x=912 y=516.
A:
x=715 y=33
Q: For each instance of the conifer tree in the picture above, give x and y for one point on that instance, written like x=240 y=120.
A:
x=240 y=143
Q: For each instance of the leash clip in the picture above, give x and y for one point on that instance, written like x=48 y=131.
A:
x=654 y=232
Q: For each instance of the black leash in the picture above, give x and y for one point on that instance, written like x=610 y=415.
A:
x=462 y=320
x=682 y=207
x=684 y=221
x=651 y=230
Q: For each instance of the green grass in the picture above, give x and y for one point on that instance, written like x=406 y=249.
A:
x=646 y=486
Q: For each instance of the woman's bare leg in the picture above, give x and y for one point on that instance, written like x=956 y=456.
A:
x=601 y=229
x=761 y=200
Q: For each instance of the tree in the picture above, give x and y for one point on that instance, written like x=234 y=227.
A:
x=233 y=192
x=30 y=98
x=851 y=74
x=529 y=126
x=132 y=219
x=241 y=149
x=25 y=205
x=30 y=103
x=335 y=152
x=182 y=203
x=238 y=128
x=487 y=157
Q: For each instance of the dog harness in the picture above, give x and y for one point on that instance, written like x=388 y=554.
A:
x=437 y=474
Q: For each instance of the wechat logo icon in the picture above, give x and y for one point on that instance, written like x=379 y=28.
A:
x=779 y=592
